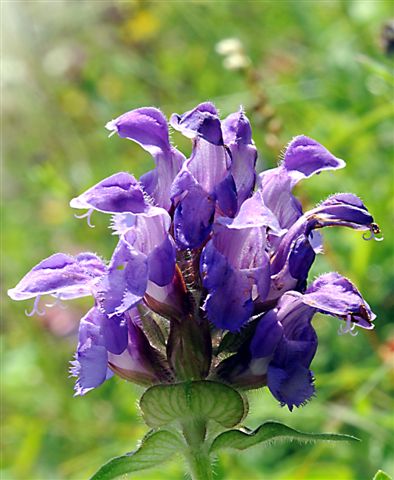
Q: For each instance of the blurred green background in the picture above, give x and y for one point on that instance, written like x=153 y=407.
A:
x=321 y=68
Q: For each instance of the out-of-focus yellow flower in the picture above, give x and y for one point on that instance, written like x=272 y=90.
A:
x=73 y=102
x=110 y=87
x=141 y=27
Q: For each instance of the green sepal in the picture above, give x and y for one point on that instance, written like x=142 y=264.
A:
x=156 y=448
x=269 y=431
x=381 y=475
x=232 y=342
x=208 y=400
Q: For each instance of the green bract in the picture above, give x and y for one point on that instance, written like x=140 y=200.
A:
x=205 y=400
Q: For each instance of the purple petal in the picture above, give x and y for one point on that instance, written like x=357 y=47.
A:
x=145 y=126
x=193 y=218
x=145 y=251
x=61 y=275
x=222 y=281
x=123 y=222
x=301 y=258
x=214 y=266
x=336 y=295
x=91 y=263
x=226 y=196
x=202 y=122
x=116 y=194
x=90 y=364
x=237 y=309
x=149 y=236
x=126 y=282
x=242 y=241
x=161 y=262
x=115 y=333
x=209 y=164
x=288 y=376
x=292 y=387
x=343 y=209
x=244 y=248
x=237 y=135
x=305 y=157
x=253 y=213
x=157 y=183
x=237 y=129
x=149 y=230
x=268 y=333
x=261 y=278
x=276 y=193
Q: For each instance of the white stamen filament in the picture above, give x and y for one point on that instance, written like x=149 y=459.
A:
x=86 y=215
x=348 y=328
x=372 y=236
x=35 y=309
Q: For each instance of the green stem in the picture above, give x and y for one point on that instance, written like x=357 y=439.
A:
x=197 y=455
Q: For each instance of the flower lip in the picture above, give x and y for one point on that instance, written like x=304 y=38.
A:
x=333 y=294
x=305 y=157
x=119 y=193
x=202 y=121
x=60 y=274
x=237 y=129
x=146 y=126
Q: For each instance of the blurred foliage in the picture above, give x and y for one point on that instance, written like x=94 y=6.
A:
x=319 y=68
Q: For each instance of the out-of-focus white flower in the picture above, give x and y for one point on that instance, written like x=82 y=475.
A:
x=236 y=61
x=233 y=52
x=229 y=46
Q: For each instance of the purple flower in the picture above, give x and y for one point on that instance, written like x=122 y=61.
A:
x=205 y=183
x=286 y=340
x=148 y=127
x=106 y=346
x=237 y=136
x=209 y=276
x=303 y=158
x=145 y=253
x=295 y=253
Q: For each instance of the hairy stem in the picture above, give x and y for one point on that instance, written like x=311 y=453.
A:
x=197 y=455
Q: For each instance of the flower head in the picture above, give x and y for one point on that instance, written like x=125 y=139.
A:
x=209 y=277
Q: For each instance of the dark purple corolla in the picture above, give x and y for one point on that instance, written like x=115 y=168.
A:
x=209 y=278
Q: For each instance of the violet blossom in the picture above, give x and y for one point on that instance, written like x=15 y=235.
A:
x=209 y=256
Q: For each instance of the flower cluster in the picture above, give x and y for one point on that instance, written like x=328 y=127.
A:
x=209 y=275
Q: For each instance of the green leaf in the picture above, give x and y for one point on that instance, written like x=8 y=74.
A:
x=163 y=404
x=381 y=475
x=268 y=431
x=155 y=448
